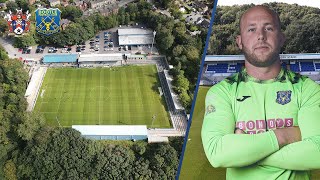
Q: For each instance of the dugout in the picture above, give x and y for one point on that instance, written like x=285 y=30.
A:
x=113 y=132
x=100 y=60
x=60 y=59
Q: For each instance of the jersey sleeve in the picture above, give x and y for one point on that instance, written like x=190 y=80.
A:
x=305 y=154
x=222 y=147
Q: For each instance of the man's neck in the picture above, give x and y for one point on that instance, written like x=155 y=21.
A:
x=263 y=73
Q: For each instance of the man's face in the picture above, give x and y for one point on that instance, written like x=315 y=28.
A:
x=261 y=38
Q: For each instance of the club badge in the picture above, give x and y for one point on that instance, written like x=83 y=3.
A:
x=19 y=22
x=210 y=109
x=283 y=97
x=48 y=21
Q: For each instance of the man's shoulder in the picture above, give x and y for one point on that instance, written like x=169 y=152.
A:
x=295 y=77
x=235 y=78
x=225 y=86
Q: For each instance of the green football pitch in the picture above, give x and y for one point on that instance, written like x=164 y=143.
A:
x=195 y=164
x=126 y=95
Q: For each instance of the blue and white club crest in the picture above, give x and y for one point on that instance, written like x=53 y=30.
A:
x=283 y=97
x=48 y=21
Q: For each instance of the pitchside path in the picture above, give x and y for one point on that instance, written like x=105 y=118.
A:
x=178 y=117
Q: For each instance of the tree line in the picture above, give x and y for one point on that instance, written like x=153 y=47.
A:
x=300 y=24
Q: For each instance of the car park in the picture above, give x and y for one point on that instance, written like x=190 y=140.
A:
x=39 y=50
x=24 y=50
x=52 y=50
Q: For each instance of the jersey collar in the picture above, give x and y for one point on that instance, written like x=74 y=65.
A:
x=246 y=77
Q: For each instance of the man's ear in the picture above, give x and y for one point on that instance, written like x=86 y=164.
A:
x=239 y=42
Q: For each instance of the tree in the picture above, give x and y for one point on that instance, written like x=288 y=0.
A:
x=181 y=83
x=31 y=124
x=192 y=53
x=141 y=169
x=116 y=162
x=185 y=98
x=177 y=50
x=139 y=147
x=127 y=18
x=24 y=41
x=23 y=4
x=70 y=12
x=66 y=155
x=164 y=39
x=304 y=35
x=3 y=25
x=11 y=6
x=10 y=170
x=163 y=161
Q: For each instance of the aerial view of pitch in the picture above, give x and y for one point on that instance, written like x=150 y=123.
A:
x=127 y=95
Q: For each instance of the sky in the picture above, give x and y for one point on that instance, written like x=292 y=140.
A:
x=312 y=3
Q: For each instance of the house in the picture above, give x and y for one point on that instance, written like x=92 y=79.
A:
x=54 y=2
x=100 y=3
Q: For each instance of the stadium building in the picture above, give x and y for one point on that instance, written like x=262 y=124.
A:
x=217 y=67
x=60 y=60
x=104 y=60
x=113 y=132
x=135 y=37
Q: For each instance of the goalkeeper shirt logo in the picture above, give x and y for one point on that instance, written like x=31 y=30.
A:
x=259 y=126
x=210 y=109
x=283 y=97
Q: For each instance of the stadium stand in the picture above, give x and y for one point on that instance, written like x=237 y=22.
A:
x=217 y=67
x=113 y=132
x=61 y=58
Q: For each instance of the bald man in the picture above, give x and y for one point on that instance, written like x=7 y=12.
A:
x=263 y=122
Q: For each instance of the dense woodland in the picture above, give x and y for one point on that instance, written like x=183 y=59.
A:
x=300 y=24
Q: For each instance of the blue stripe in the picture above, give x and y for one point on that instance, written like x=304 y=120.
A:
x=197 y=87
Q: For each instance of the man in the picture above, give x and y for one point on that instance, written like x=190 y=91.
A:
x=253 y=119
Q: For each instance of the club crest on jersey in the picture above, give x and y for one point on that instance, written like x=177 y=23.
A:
x=210 y=109
x=283 y=97
x=48 y=21
x=18 y=22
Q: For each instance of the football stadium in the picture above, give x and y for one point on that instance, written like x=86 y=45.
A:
x=217 y=67
x=106 y=96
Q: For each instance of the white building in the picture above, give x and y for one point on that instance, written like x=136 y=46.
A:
x=135 y=37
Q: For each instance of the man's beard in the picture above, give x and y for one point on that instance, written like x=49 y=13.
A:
x=265 y=61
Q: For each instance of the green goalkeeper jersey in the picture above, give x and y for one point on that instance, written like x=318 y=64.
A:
x=258 y=107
